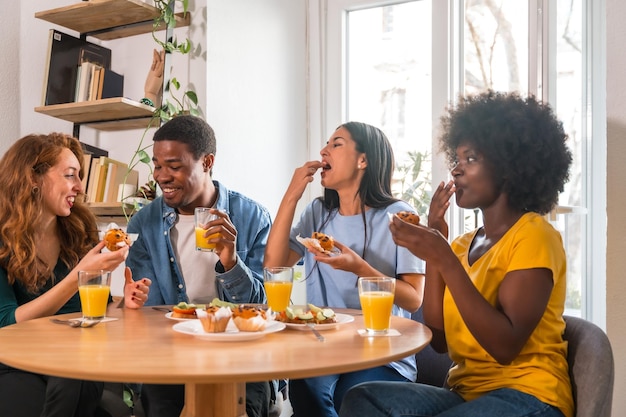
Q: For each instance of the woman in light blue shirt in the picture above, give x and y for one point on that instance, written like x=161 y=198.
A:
x=356 y=169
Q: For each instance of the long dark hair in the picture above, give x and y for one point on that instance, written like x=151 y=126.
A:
x=375 y=188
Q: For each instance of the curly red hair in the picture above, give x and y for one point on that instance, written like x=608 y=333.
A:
x=23 y=165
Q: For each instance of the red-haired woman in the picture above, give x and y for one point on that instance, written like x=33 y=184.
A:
x=47 y=235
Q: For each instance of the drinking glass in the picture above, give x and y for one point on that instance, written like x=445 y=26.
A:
x=376 y=296
x=202 y=217
x=278 y=282
x=94 y=288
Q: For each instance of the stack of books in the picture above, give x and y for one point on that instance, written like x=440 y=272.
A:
x=78 y=70
x=104 y=175
x=94 y=82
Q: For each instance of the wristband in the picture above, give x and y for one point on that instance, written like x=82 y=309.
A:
x=147 y=101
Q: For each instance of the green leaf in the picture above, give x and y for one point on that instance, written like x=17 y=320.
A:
x=192 y=96
x=144 y=157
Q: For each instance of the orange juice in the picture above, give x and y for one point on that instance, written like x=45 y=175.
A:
x=94 y=300
x=203 y=243
x=376 y=306
x=278 y=294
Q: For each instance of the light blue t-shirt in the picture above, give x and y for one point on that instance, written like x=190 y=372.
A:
x=330 y=287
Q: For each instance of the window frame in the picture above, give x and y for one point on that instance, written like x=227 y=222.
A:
x=327 y=65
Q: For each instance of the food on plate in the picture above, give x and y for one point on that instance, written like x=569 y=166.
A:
x=409 y=217
x=216 y=302
x=326 y=241
x=185 y=310
x=249 y=318
x=214 y=319
x=116 y=239
x=312 y=314
x=320 y=242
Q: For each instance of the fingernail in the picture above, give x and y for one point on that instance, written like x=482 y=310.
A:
x=134 y=293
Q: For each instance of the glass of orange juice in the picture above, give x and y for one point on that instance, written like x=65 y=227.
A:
x=376 y=296
x=94 y=288
x=202 y=217
x=278 y=282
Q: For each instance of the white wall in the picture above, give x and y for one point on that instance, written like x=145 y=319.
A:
x=9 y=70
x=256 y=84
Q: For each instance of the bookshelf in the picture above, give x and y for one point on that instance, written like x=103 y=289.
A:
x=109 y=210
x=110 y=114
x=106 y=20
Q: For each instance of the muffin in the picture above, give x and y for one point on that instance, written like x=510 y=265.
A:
x=214 y=319
x=116 y=239
x=326 y=242
x=249 y=318
x=409 y=217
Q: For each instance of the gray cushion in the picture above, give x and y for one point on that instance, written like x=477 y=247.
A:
x=591 y=367
x=432 y=367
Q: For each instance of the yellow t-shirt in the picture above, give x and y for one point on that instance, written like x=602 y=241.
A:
x=541 y=368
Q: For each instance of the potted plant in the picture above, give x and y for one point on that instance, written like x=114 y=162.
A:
x=173 y=104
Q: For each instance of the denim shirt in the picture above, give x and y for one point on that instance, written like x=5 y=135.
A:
x=152 y=255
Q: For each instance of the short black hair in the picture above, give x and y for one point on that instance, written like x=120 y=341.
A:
x=192 y=130
x=522 y=140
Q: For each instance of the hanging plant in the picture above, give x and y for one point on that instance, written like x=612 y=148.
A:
x=173 y=103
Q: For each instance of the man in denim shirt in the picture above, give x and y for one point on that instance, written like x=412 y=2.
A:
x=165 y=251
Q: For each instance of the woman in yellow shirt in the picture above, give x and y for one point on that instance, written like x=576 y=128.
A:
x=494 y=299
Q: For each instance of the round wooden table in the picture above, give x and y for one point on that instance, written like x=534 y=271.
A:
x=141 y=346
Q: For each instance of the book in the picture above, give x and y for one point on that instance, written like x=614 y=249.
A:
x=92 y=183
x=112 y=85
x=65 y=54
x=94 y=83
x=86 y=168
x=101 y=182
x=115 y=177
x=85 y=72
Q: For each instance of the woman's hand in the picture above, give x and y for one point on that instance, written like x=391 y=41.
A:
x=346 y=260
x=96 y=259
x=424 y=242
x=135 y=292
x=302 y=176
x=439 y=205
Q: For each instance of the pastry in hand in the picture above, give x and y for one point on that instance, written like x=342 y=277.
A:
x=116 y=239
x=409 y=217
x=320 y=242
x=326 y=242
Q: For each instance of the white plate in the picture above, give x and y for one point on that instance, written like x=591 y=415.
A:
x=169 y=316
x=232 y=334
x=341 y=319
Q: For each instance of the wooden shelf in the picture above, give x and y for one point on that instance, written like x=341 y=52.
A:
x=117 y=113
x=108 y=19
x=110 y=209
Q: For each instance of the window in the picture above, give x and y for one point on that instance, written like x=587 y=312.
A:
x=396 y=64
x=389 y=85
